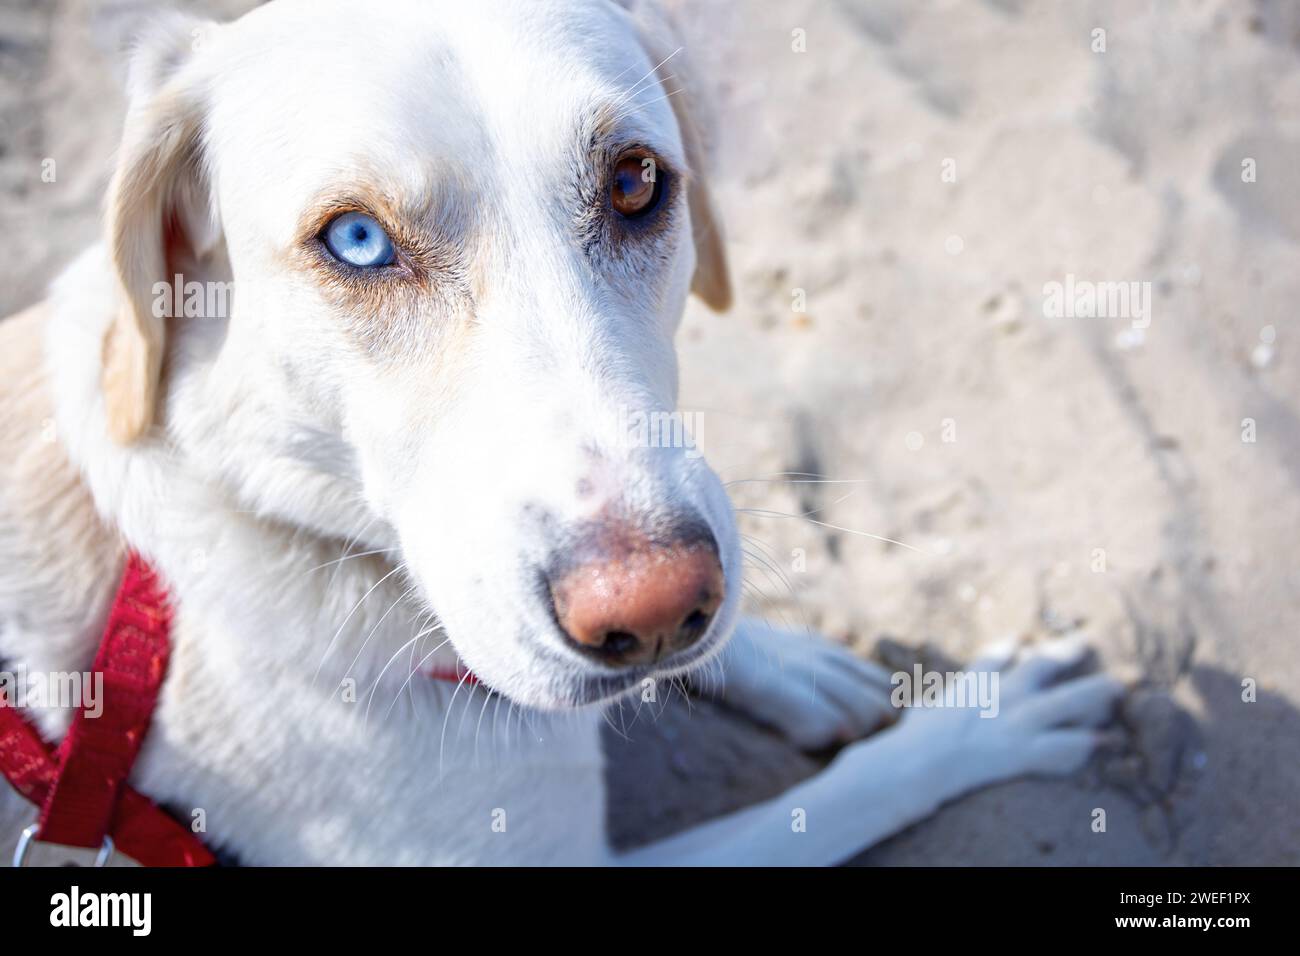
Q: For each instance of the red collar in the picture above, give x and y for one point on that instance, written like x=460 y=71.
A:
x=80 y=786
x=458 y=675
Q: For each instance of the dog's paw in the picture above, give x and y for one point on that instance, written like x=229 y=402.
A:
x=815 y=692
x=1033 y=722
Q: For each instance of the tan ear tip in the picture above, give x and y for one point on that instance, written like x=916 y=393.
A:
x=129 y=364
x=721 y=299
x=714 y=289
x=126 y=408
x=125 y=424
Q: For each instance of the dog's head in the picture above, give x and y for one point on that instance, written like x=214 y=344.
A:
x=459 y=237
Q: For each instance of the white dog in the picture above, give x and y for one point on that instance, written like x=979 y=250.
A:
x=459 y=238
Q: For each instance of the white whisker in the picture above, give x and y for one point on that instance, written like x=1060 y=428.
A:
x=823 y=524
x=329 y=647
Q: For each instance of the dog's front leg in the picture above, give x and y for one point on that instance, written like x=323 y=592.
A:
x=872 y=789
x=880 y=785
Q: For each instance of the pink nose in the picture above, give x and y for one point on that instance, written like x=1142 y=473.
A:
x=637 y=600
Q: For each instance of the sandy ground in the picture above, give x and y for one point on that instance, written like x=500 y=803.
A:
x=1046 y=474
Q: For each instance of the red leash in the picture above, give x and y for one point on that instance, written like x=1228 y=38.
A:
x=81 y=787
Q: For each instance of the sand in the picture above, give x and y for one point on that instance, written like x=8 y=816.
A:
x=917 y=176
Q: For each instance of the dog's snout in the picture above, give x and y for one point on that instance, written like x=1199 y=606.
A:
x=635 y=600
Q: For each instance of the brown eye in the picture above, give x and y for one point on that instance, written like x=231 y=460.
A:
x=634 y=189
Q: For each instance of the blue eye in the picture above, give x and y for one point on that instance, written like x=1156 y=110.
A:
x=359 y=240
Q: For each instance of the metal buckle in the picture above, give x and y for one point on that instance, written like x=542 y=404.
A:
x=63 y=855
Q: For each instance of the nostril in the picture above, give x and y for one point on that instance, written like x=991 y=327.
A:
x=619 y=643
x=693 y=628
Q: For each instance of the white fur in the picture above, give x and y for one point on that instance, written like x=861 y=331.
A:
x=282 y=448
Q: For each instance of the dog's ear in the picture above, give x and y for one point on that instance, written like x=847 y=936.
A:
x=160 y=212
x=660 y=38
x=712 y=280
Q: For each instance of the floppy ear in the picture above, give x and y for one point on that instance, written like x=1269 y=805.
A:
x=712 y=281
x=159 y=214
x=658 y=35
